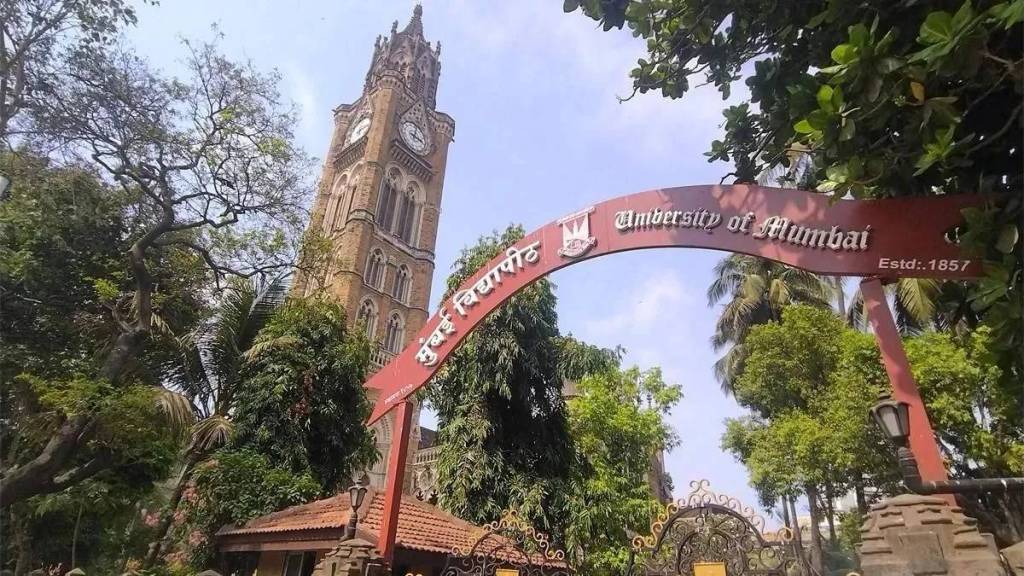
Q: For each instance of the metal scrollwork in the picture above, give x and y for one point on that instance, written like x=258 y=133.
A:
x=705 y=527
x=510 y=543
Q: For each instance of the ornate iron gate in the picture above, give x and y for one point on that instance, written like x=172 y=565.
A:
x=508 y=546
x=709 y=534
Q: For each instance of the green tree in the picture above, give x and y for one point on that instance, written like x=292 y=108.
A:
x=33 y=31
x=63 y=234
x=124 y=455
x=503 y=429
x=207 y=371
x=978 y=422
x=757 y=291
x=213 y=180
x=301 y=402
x=231 y=488
x=904 y=99
x=810 y=382
x=617 y=421
x=810 y=432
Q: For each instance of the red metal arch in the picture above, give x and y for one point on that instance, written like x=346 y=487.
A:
x=893 y=238
x=904 y=237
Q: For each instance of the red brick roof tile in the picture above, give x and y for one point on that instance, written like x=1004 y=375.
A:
x=420 y=525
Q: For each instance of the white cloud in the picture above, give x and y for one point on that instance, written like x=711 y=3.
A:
x=647 y=126
x=643 y=309
x=301 y=90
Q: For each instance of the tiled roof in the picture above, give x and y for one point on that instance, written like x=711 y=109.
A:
x=420 y=525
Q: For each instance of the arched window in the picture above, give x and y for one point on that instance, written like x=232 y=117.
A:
x=375 y=268
x=400 y=289
x=388 y=198
x=405 y=225
x=393 y=334
x=368 y=317
x=334 y=203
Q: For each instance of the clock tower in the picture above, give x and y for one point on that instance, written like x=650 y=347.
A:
x=380 y=200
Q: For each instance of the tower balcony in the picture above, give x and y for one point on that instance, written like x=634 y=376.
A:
x=379 y=357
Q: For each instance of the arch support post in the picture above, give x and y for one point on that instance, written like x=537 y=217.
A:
x=396 y=480
x=922 y=438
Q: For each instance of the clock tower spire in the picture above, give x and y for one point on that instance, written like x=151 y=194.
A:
x=380 y=197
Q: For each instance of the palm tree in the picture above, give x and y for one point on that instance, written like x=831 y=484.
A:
x=757 y=290
x=918 y=303
x=915 y=303
x=207 y=373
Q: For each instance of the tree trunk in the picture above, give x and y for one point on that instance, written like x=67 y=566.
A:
x=24 y=546
x=858 y=490
x=996 y=519
x=48 y=472
x=830 y=515
x=798 y=541
x=167 y=517
x=817 y=554
x=785 y=513
x=126 y=347
x=1015 y=531
x=122 y=557
x=74 y=537
x=41 y=474
x=840 y=296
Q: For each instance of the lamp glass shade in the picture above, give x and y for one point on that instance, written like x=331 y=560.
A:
x=356 y=495
x=890 y=421
x=893 y=418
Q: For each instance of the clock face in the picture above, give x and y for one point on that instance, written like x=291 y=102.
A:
x=414 y=137
x=358 y=130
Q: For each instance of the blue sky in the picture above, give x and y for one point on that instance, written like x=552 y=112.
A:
x=539 y=134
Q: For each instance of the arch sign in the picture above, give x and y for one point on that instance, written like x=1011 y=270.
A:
x=893 y=238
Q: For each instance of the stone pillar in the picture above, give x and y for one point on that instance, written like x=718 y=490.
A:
x=913 y=535
x=354 y=557
x=1015 y=558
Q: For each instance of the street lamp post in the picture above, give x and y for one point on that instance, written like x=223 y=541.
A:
x=893 y=417
x=356 y=494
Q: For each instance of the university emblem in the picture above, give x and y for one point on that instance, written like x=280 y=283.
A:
x=576 y=238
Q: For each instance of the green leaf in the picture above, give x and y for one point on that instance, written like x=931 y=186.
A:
x=1008 y=13
x=991 y=287
x=105 y=289
x=803 y=127
x=844 y=53
x=963 y=16
x=848 y=129
x=825 y=98
x=818 y=119
x=883 y=45
x=855 y=168
x=874 y=88
x=570 y=5
x=837 y=98
x=924 y=163
x=887 y=65
x=837 y=173
x=937 y=28
x=827 y=186
x=817 y=19
x=859 y=35
x=1007 y=239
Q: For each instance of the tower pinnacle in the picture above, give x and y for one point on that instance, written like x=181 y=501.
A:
x=415 y=25
x=411 y=56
